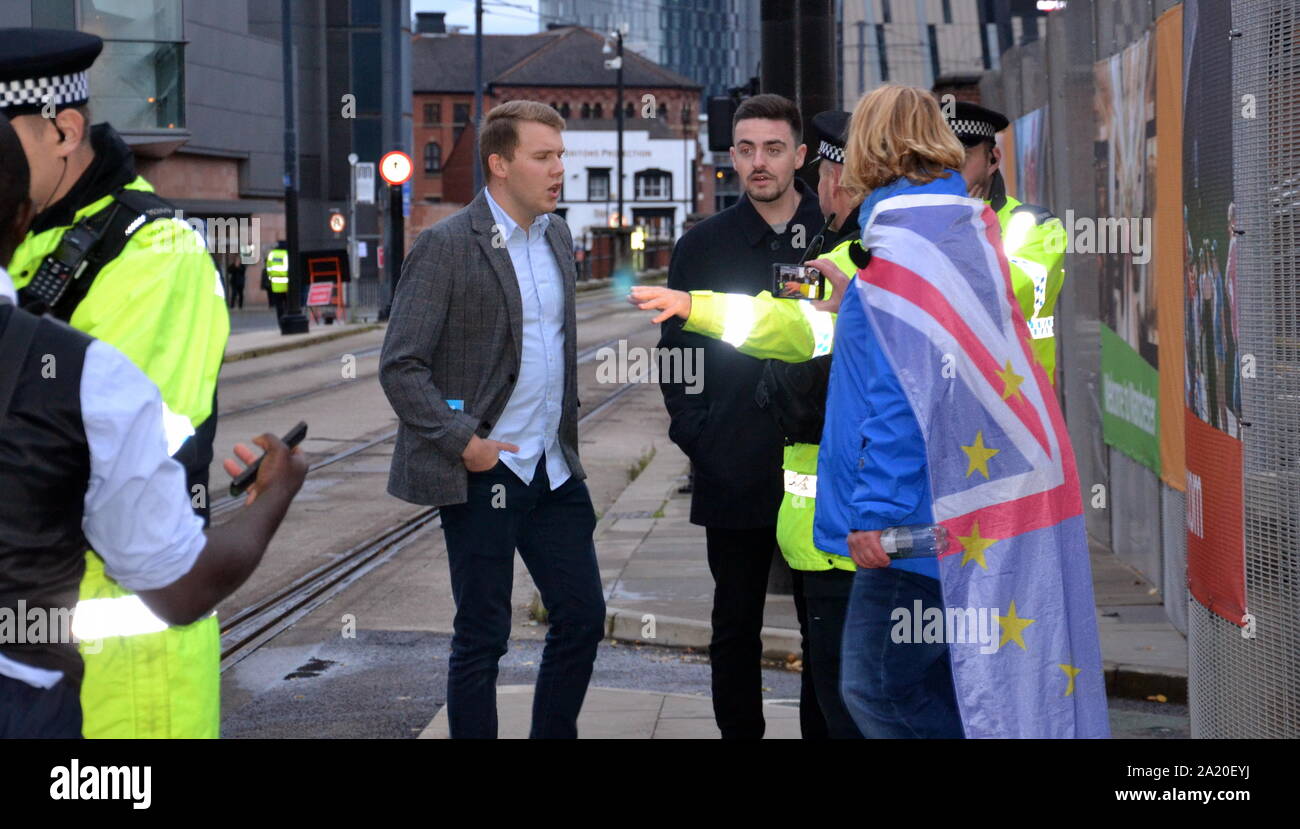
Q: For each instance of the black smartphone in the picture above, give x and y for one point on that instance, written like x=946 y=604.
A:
x=797 y=282
x=245 y=479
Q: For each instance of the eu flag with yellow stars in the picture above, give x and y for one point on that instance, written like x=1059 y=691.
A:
x=1002 y=475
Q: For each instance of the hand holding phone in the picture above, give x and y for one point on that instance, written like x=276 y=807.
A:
x=796 y=282
x=242 y=480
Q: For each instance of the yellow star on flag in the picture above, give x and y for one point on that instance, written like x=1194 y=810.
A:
x=1071 y=672
x=1012 y=381
x=979 y=455
x=1013 y=627
x=974 y=546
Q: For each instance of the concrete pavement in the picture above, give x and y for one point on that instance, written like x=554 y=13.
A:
x=659 y=590
x=619 y=714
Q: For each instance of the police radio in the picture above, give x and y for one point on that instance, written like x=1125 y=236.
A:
x=65 y=276
x=64 y=267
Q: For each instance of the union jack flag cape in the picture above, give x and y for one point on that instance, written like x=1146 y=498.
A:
x=938 y=295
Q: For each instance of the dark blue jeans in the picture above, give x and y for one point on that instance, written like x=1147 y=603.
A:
x=895 y=690
x=552 y=531
x=28 y=713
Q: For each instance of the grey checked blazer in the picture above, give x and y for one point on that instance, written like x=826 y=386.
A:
x=454 y=334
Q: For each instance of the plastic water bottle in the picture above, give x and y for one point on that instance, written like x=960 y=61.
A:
x=915 y=541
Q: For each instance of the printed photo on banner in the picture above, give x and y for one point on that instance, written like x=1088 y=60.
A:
x=1214 y=359
x=1125 y=157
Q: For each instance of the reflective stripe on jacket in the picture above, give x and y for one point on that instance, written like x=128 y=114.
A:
x=161 y=302
x=792 y=330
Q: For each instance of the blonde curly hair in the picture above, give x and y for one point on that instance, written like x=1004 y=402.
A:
x=898 y=131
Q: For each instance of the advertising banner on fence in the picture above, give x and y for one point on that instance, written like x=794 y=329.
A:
x=1130 y=401
x=1216 y=549
x=1125 y=149
x=1032 y=163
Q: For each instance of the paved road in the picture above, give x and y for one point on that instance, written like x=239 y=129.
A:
x=390 y=684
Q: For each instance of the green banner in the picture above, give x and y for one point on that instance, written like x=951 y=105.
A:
x=1130 y=401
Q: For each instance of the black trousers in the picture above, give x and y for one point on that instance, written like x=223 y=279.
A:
x=552 y=529
x=27 y=712
x=825 y=599
x=739 y=561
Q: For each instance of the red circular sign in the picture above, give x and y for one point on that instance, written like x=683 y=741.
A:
x=395 y=167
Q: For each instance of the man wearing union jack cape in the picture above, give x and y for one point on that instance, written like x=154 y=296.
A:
x=938 y=413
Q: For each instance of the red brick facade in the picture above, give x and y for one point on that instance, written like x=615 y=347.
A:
x=454 y=182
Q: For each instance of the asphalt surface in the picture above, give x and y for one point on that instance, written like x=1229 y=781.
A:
x=390 y=684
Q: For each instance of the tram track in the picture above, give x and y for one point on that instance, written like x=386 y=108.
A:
x=248 y=629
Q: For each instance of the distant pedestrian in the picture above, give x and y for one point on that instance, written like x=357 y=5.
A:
x=236 y=274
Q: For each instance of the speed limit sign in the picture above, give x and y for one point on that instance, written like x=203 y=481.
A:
x=395 y=167
x=337 y=222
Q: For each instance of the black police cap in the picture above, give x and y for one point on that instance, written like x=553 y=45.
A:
x=831 y=128
x=45 y=66
x=973 y=123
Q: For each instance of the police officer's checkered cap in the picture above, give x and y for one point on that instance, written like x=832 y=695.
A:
x=59 y=90
x=972 y=129
x=973 y=123
x=830 y=152
x=45 y=67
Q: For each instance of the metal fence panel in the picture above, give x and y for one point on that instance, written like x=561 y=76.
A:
x=1250 y=687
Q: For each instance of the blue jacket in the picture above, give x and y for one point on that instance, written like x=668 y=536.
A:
x=871 y=469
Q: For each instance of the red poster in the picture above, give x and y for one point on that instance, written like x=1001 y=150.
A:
x=1216 y=549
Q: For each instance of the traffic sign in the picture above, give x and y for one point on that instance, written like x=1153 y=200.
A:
x=395 y=167
x=337 y=222
x=365 y=182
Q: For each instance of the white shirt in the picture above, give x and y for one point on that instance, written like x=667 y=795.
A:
x=137 y=515
x=531 y=419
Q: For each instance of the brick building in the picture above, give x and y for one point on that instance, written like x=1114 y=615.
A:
x=563 y=67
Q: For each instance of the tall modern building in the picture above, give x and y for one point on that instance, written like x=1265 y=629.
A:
x=713 y=42
x=918 y=42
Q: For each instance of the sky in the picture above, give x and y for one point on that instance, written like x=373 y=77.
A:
x=497 y=19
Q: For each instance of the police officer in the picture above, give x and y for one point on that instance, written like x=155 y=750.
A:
x=800 y=338
x=1033 y=238
x=277 y=274
x=107 y=255
x=97 y=421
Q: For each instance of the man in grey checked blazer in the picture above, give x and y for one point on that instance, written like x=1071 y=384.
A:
x=479 y=363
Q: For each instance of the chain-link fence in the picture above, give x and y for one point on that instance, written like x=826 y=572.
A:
x=1241 y=685
x=1244 y=674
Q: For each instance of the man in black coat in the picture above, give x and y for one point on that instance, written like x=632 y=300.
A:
x=735 y=447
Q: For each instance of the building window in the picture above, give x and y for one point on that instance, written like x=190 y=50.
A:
x=947 y=11
x=598 y=111
x=886 y=15
x=663 y=112
x=432 y=157
x=586 y=110
x=139 y=80
x=432 y=115
x=459 y=117
x=628 y=110
x=597 y=184
x=653 y=185
x=565 y=110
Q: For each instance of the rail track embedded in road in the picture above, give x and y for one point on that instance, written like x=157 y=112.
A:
x=247 y=630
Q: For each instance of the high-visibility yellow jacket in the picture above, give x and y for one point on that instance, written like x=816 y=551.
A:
x=162 y=304
x=793 y=331
x=277 y=270
x=1034 y=242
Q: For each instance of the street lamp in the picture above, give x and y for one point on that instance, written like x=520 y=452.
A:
x=353 y=263
x=616 y=63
